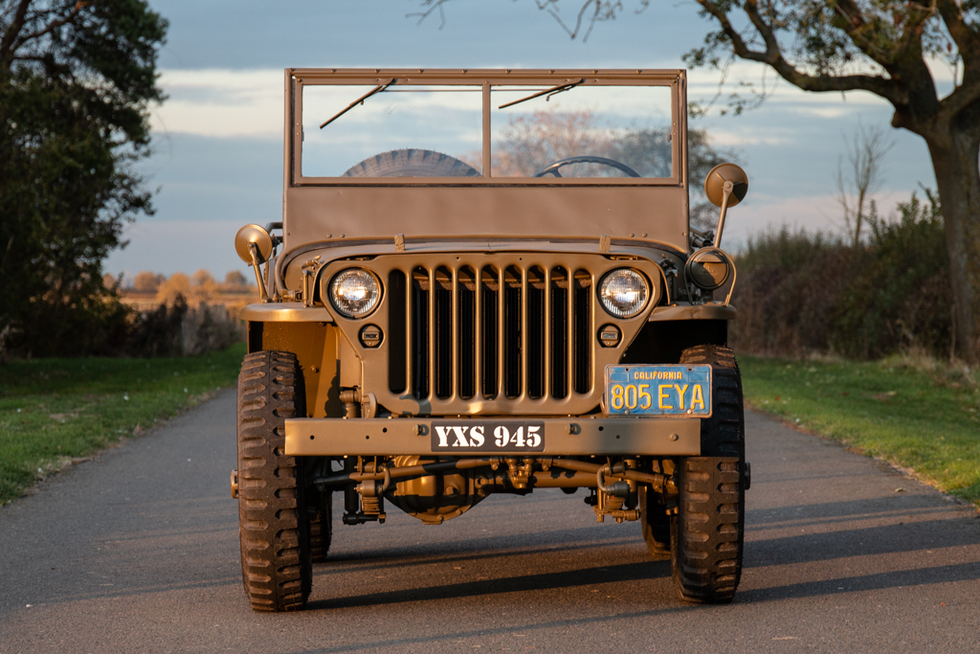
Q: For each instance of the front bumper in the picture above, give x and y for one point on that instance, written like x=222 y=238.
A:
x=570 y=436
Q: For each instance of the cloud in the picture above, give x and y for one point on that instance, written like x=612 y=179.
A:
x=221 y=103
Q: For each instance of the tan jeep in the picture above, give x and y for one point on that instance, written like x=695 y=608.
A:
x=485 y=281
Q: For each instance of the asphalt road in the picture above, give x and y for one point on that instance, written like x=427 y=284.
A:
x=137 y=551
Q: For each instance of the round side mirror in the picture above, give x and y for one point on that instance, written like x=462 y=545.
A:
x=714 y=184
x=253 y=234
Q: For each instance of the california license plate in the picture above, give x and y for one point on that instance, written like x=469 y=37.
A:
x=487 y=436
x=659 y=390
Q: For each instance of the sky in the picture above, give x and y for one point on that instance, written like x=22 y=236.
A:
x=217 y=160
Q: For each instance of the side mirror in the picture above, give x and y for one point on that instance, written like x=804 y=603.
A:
x=254 y=246
x=725 y=186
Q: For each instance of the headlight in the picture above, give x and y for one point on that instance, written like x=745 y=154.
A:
x=624 y=293
x=355 y=292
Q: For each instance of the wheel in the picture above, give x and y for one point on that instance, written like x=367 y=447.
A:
x=707 y=532
x=655 y=524
x=552 y=168
x=273 y=524
x=412 y=162
x=321 y=528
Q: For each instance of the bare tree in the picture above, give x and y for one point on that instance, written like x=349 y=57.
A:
x=530 y=142
x=861 y=177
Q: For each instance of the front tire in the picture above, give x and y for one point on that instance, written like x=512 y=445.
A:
x=707 y=533
x=273 y=524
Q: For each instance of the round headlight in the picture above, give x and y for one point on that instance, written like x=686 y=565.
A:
x=624 y=293
x=355 y=292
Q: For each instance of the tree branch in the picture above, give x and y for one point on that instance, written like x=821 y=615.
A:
x=10 y=36
x=967 y=40
x=50 y=27
x=433 y=5
x=773 y=56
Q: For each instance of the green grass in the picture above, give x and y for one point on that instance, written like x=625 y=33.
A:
x=54 y=411
x=909 y=411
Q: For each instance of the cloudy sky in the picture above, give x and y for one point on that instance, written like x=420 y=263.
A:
x=218 y=138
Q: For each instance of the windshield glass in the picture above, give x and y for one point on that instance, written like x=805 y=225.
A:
x=568 y=130
x=585 y=131
x=440 y=119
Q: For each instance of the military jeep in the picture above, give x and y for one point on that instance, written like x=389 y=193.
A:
x=485 y=281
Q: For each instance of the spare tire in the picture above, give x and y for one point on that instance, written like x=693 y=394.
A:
x=412 y=162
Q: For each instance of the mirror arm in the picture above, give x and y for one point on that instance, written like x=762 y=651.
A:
x=253 y=250
x=726 y=194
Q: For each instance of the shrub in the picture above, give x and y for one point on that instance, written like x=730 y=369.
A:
x=799 y=293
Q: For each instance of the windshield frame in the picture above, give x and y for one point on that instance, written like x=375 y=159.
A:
x=553 y=81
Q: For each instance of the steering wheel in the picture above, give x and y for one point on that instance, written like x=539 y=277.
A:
x=552 y=168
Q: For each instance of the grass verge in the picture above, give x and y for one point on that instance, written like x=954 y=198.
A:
x=910 y=411
x=55 y=411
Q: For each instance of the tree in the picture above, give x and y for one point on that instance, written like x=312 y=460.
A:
x=530 y=142
x=179 y=285
x=236 y=281
x=865 y=157
x=883 y=47
x=76 y=80
x=147 y=282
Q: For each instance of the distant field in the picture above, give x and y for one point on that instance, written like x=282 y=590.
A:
x=53 y=411
x=912 y=412
x=144 y=301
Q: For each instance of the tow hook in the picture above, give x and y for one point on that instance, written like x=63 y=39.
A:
x=234 y=484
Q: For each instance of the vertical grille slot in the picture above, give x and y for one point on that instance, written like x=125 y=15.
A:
x=443 y=332
x=561 y=309
x=419 y=301
x=491 y=332
x=466 y=294
x=582 y=333
x=397 y=332
x=536 y=310
x=513 y=284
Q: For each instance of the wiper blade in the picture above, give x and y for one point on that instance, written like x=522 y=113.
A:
x=549 y=92
x=377 y=89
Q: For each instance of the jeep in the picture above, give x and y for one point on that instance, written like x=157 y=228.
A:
x=486 y=281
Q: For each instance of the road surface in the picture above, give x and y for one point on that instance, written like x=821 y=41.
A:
x=137 y=551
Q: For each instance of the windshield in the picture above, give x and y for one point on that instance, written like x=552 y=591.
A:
x=568 y=129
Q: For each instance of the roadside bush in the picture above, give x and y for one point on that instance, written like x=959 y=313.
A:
x=799 y=293
x=110 y=328
x=178 y=330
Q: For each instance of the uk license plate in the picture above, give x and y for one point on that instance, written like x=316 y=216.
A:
x=659 y=390
x=487 y=436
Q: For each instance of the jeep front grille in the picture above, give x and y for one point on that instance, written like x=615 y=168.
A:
x=511 y=331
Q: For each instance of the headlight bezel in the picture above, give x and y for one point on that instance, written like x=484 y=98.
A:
x=647 y=293
x=333 y=294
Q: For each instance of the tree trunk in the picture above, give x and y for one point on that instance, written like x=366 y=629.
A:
x=955 y=161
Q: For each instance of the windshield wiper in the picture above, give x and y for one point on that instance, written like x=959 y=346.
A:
x=549 y=92
x=377 y=89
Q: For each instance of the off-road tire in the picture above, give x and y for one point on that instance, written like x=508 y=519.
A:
x=272 y=517
x=655 y=524
x=412 y=162
x=707 y=532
